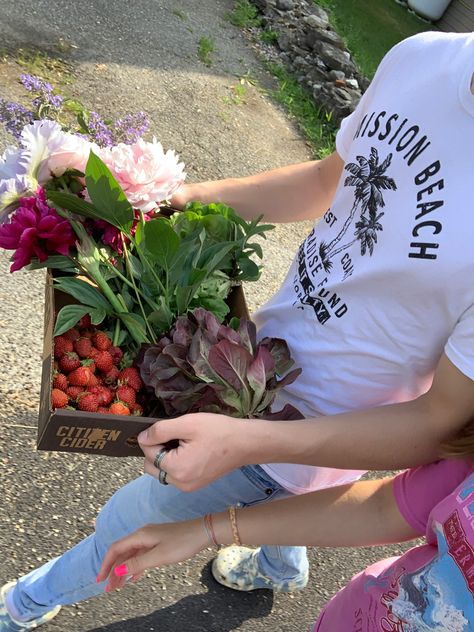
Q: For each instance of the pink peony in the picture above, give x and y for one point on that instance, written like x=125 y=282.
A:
x=35 y=230
x=145 y=172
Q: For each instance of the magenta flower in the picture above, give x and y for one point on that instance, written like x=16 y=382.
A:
x=111 y=236
x=35 y=230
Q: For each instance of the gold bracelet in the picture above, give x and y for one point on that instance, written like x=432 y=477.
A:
x=233 y=524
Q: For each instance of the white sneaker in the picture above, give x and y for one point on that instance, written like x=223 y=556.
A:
x=237 y=567
x=9 y=624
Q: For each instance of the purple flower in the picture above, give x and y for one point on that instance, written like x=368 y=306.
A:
x=127 y=130
x=44 y=92
x=35 y=230
x=14 y=116
x=130 y=128
x=99 y=131
x=31 y=83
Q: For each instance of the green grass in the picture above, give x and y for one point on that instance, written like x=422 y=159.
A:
x=244 y=14
x=269 y=36
x=179 y=14
x=205 y=48
x=238 y=94
x=371 y=27
x=42 y=64
x=316 y=125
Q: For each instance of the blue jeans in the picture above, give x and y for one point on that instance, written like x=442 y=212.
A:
x=71 y=577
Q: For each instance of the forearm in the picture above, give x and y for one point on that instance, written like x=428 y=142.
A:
x=289 y=194
x=382 y=438
x=360 y=514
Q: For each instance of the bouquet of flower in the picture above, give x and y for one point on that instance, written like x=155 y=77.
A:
x=88 y=198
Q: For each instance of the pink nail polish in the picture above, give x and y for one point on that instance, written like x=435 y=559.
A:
x=107 y=588
x=121 y=570
x=97 y=580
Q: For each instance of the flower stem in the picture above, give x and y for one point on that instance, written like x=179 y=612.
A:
x=137 y=293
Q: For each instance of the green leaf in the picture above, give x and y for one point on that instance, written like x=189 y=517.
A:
x=84 y=292
x=72 y=203
x=213 y=256
x=107 y=196
x=135 y=266
x=249 y=269
x=68 y=316
x=97 y=315
x=161 y=241
x=215 y=305
x=256 y=248
x=55 y=262
x=135 y=322
x=161 y=318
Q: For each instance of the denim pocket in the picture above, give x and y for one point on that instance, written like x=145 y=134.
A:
x=265 y=487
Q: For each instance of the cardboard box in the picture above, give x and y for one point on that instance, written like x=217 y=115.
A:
x=91 y=433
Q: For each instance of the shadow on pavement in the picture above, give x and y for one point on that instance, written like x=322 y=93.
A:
x=219 y=610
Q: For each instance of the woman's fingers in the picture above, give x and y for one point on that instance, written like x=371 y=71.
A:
x=123 y=549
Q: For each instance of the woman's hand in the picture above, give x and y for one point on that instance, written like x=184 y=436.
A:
x=149 y=547
x=209 y=446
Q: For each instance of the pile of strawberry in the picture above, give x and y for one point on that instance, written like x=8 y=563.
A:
x=87 y=374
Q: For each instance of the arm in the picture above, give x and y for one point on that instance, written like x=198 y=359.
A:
x=385 y=437
x=359 y=514
x=289 y=194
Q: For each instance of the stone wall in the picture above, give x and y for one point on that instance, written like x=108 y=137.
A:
x=314 y=53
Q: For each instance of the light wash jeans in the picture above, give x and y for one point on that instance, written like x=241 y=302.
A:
x=71 y=577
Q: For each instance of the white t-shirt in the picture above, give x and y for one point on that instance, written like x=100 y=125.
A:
x=384 y=283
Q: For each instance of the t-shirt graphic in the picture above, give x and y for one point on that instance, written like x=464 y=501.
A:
x=438 y=596
x=369 y=178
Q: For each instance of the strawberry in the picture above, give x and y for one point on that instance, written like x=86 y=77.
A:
x=130 y=377
x=87 y=333
x=83 y=347
x=90 y=364
x=60 y=381
x=116 y=353
x=93 y=353
x=69 y=362
x=62 y=345
x=88 y=402
x=104 y=361
x=59 y=399
x=136 y=410
x=73 y=392
x=111 y=376
x=85 y=322
x=119 y=409
x=104 y=410
x=93 y=380
x=126 y=394
x=81 y=376
x=72 y=334
x=101 y=341
x=103 y=394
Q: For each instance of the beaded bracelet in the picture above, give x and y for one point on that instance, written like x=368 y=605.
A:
x=233 y=524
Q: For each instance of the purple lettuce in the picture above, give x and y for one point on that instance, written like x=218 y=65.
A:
x=204 y=366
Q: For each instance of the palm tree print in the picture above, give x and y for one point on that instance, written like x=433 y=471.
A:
x=369 y=179
x=366 y=232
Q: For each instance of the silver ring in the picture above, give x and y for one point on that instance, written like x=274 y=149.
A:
x=159 y=458
x=162 y=477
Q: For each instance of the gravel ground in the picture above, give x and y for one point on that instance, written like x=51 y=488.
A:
x=127 y=57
